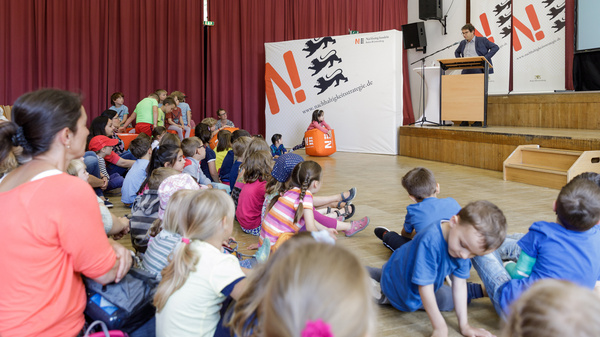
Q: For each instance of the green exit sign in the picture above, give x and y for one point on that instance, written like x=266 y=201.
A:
x=209 y=23
x=354 y=32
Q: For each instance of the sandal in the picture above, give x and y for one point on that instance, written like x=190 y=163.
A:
x=349 y=210
x=349 y=198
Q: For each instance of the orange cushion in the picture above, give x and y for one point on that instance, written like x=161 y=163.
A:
x=127 y=138
x=213 y=141
x=319 y=144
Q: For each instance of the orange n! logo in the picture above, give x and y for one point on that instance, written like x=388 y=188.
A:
x=272 y=76
x=486 y=28
x=535 y=24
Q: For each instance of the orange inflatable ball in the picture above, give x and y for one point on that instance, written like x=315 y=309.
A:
x=319 y=144
x=213 y=140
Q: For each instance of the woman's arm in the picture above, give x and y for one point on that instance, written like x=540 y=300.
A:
x=121 y=266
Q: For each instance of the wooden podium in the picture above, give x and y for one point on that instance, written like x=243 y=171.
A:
x=464 y=97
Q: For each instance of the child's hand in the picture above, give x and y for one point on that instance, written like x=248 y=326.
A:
x=253 y=246
x=470 y=331
x=329 y=133
x=227 y=243
x=333 y=232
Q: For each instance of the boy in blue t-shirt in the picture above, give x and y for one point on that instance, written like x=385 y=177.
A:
x=277 y=148
x=428 y=209
x=413 y=277
x=565 y=250
x=141 y=148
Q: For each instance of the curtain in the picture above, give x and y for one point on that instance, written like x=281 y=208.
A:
x=57 y=44
x=236 y=45
x=156 y=44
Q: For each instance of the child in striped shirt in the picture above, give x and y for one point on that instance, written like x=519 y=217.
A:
x=163 y=243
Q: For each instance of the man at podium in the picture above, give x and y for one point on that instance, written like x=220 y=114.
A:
x=473 y=46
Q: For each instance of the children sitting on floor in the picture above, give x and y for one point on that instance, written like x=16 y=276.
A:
x=413 y=277
x=428 y=209
x=223 y=147
x=277 y=148
x=113 y=226
x=157 y=133
x=238 y=148
x=318 y=290
x=199 y=277
x=144 y=209
x=194 y=151
x=140 y=147
x=566 y=249
x=292 y=210
x=257 y=168
x=100 y=147
x=554 y=308
x=164 y=234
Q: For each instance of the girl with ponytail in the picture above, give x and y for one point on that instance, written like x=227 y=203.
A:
x=292 y=210
x=199 y=277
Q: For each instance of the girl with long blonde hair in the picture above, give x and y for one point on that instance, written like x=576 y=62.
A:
x=319 y=290
x=199 y=277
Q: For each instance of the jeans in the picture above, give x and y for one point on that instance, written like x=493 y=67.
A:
x=180 y=131
x=91 y=166
x=146 y=330
x=223 y=187
x=493 y=275
x=112 y=168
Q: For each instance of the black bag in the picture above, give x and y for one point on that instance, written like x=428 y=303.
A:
x=126 y=305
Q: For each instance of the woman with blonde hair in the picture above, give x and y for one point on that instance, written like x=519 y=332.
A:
x=554 y=308
x=319 y=290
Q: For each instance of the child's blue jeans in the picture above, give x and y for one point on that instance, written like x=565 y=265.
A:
x=492 y=272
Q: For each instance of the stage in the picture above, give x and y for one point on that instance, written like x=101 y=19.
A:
x=569 y=121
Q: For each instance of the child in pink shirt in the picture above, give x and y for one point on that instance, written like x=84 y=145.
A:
x=257 y=168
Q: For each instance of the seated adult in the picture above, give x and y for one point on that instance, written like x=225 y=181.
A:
x=52 y=231
x=116 y=162
x=223 y=122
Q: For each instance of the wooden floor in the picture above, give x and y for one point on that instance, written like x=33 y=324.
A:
x=382 y=198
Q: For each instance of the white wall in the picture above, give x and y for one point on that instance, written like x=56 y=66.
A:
x=435 y=41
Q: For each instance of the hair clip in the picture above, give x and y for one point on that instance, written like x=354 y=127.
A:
x=185 y=240
x=316 y=328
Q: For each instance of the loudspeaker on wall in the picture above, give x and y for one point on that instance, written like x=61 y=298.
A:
x=430 y=9
x=413 y=35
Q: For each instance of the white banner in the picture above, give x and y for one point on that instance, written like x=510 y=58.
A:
x=355 y=79
x=539 y=46
x=492 y=20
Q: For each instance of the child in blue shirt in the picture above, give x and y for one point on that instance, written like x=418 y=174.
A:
x=141 y=148
x=194 y=151
x=428 y=209
x=277 y=148
x=565 y=250
x=413 y=277
x=117 y=99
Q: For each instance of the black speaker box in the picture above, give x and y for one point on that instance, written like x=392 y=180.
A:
x=414 y=35
x=430 y=9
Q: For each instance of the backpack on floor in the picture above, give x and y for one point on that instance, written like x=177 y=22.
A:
x=126 y=305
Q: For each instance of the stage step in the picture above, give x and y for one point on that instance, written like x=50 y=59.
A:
x=548 y=167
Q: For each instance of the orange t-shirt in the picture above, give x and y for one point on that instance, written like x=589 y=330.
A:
x=51 y=232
